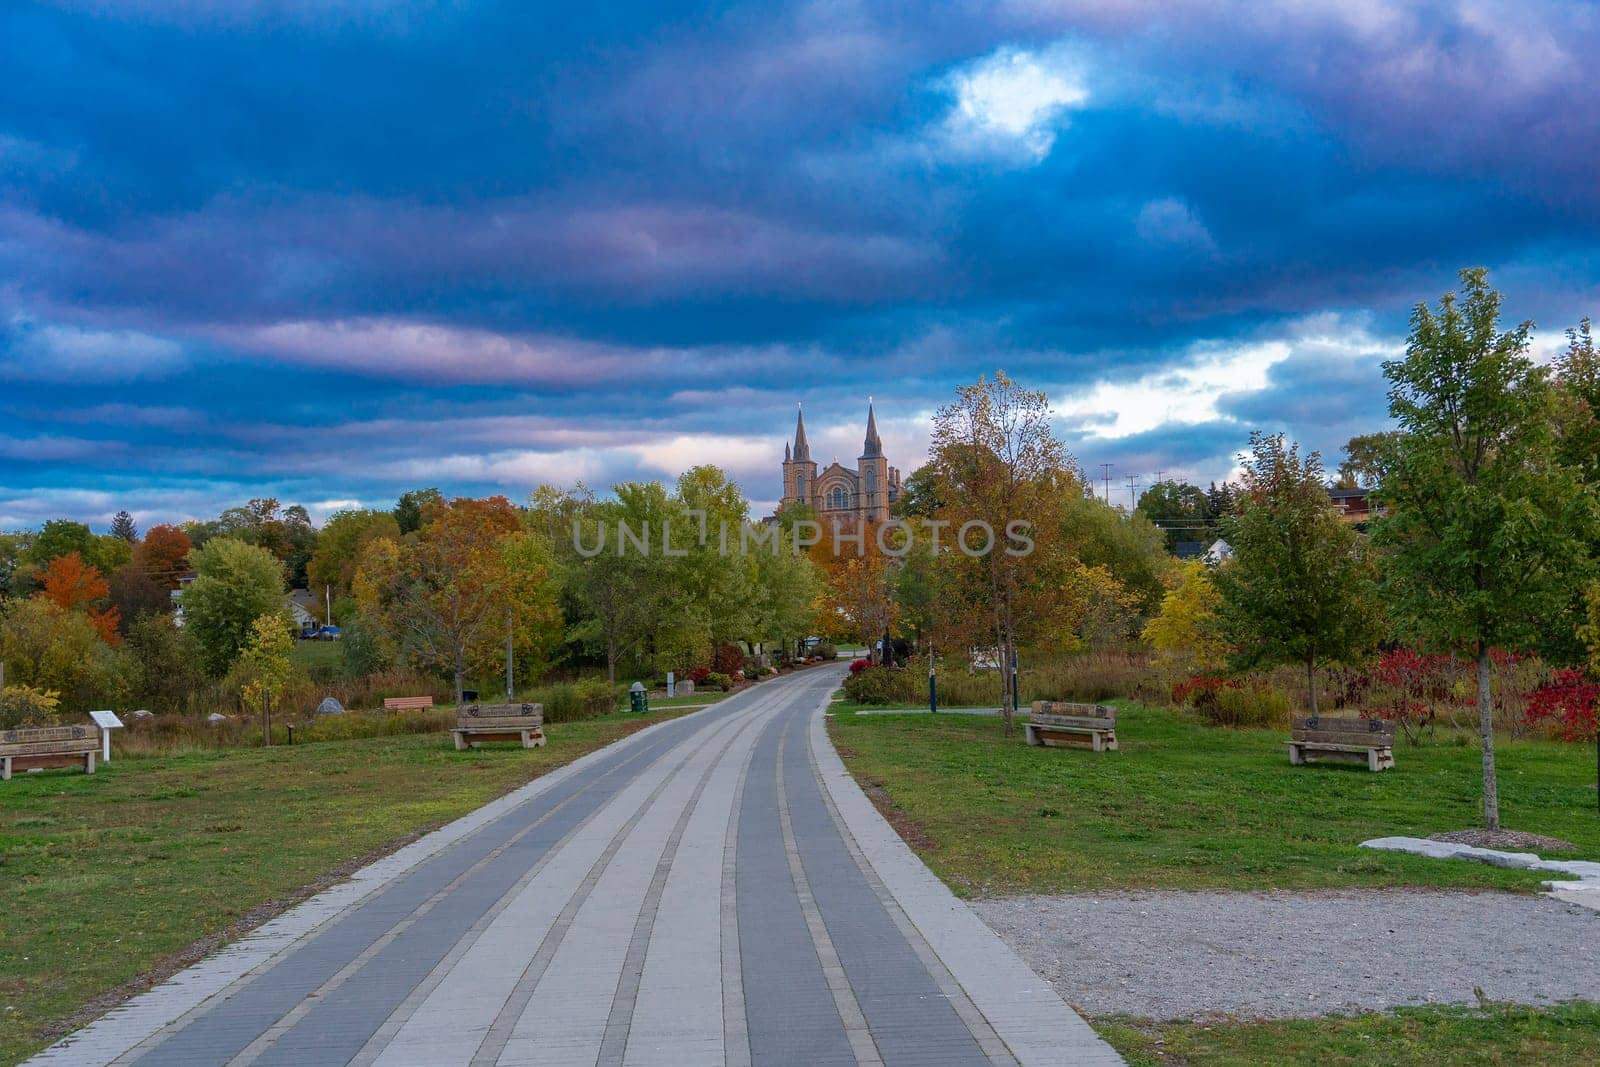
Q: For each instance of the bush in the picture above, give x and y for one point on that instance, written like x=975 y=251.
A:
x=1247 y=706
x=884 y=685
x=23 y=706
x=859 y=665
x=728 y=659
x=825 y=650
x=718 y=680
x=697 y=674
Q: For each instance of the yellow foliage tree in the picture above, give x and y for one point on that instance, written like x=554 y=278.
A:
x=1185 y=625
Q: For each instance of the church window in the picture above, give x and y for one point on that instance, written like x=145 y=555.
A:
x=838 y=500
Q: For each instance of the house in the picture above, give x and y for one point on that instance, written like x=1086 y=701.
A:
x=1187 y=550
x=306 y=607
x=1219 y=552
x=1354 y=505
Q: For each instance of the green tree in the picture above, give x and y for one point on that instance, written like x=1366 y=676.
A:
x=1482 y=540
x=48 y=647
x=57 y=538
x=264 y=666
x=410 y=511
x=122 y=527
x=339 y=546
x=165 y=664
x=1180 y=510
x=235 y=584
x=1363 y=460
x=1299 y=588
x=624 y=595
x=1186 y=625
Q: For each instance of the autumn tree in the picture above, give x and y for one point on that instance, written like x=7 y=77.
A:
x=164 y=555
x=410 y=511
x=448 y=596
x=1186 y=625
x=340 y=544
x=1003 y=477
x=50 y=648
x=135 y=595
x=1300 y=588
x=72 y=585
x=1483 y=538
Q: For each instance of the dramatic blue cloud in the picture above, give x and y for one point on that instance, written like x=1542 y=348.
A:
x=333 y=251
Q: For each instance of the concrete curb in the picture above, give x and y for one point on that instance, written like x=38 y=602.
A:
x=1035 y=1024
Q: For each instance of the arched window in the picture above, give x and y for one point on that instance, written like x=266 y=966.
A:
x=838 y=500
x=872 y=480
x=800 y=486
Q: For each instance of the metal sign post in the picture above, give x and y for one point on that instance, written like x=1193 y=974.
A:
x=107 y=721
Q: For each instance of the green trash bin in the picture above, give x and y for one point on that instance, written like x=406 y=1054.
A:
x=638 y=699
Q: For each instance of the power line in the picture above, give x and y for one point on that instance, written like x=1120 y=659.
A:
x=1133 y=490
x=1107 y=468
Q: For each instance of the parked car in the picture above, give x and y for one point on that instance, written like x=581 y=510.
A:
x=320 y=633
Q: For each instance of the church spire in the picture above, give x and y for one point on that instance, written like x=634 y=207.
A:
x=873 y=446
x=802 y=451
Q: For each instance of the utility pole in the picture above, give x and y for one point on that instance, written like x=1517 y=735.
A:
x=510 y=686
x=1133 y=492
x=1107 y=468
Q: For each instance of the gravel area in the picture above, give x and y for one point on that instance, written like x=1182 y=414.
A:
x=1176 y=955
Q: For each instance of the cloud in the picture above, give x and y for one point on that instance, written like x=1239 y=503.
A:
x=1169 y=221
x=56 y=352
x=1012 y=102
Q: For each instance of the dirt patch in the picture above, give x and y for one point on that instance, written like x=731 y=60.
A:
x=910 y=831
x=1506 y=840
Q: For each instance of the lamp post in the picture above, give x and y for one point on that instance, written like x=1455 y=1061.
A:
x=933 y=686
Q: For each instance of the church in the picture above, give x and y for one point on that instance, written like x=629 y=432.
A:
x=837 y=492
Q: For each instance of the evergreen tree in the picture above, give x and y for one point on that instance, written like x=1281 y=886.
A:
x=122 y=526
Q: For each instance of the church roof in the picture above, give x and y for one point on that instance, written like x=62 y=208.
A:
x=802 y=450
x=873 y=446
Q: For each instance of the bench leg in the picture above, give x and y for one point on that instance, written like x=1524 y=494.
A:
x=88 y=763
x=5 y=768
x=527 y=741
x=1096 y=742
x=461 y=743
x=1031 y=734
x=1372 y=760
x=1296 y=757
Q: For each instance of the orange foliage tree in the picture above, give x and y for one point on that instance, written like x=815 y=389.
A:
x=164 y=555
x=70 y=584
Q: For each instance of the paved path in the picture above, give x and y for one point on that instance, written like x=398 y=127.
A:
x=699 y=893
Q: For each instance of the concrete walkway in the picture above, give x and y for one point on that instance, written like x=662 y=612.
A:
x=714 y=889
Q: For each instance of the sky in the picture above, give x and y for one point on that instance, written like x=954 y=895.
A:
x=330 y=250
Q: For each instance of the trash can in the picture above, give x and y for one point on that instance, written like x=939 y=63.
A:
x=638 y=699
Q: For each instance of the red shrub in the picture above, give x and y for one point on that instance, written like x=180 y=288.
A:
x=1569 y=701
x=728 y=659
x=859 y=665
x=698 y=674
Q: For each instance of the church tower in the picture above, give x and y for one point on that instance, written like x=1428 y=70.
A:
x=799 y=472
x=872 y=472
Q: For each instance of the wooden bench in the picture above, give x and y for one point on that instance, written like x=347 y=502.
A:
x=1057 y=724
x=48 y=746
x=407 y=703
x=1369 y=741
x=477 y=723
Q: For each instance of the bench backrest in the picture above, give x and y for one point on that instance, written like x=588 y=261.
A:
x=499 y=716
x=407 y=703
x=1065 y=713
x=1320 y=729
x=50 y=740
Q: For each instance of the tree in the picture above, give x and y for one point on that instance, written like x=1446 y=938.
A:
x=1181 y=511
x=235 y=584
x=14 y=550
x=339 y=547
x=122 y=527
x=447 y=596
x=135 y=595
x=624 y=595
x=58 y=537
x=1577 y=399
x=1482 y=538
x=1299 y=588
x=50 y=648
x=998 y=464
x=164 y=555
x=286 y=533
x=1220 y=500
x=410 y=510
x=71 y=584
x=264 y=663
x=165 y=663
x=785 y=600
x=1186 y=625
x=1363 y=460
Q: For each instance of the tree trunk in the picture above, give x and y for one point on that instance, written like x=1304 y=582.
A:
x=1491 y=786
x=266 y=722
x=611 y=661
x=458 y=672
x=1311 y=683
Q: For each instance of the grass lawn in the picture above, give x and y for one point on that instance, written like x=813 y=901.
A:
x=1184 y=806
x=112 y=875
x=308 y=654
x=1423 y=1037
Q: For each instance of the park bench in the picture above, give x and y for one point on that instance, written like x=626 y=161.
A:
x=477 y=723
x=48 y=746
x=1057 y=724
x=407 y=703
x=1369 y=741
